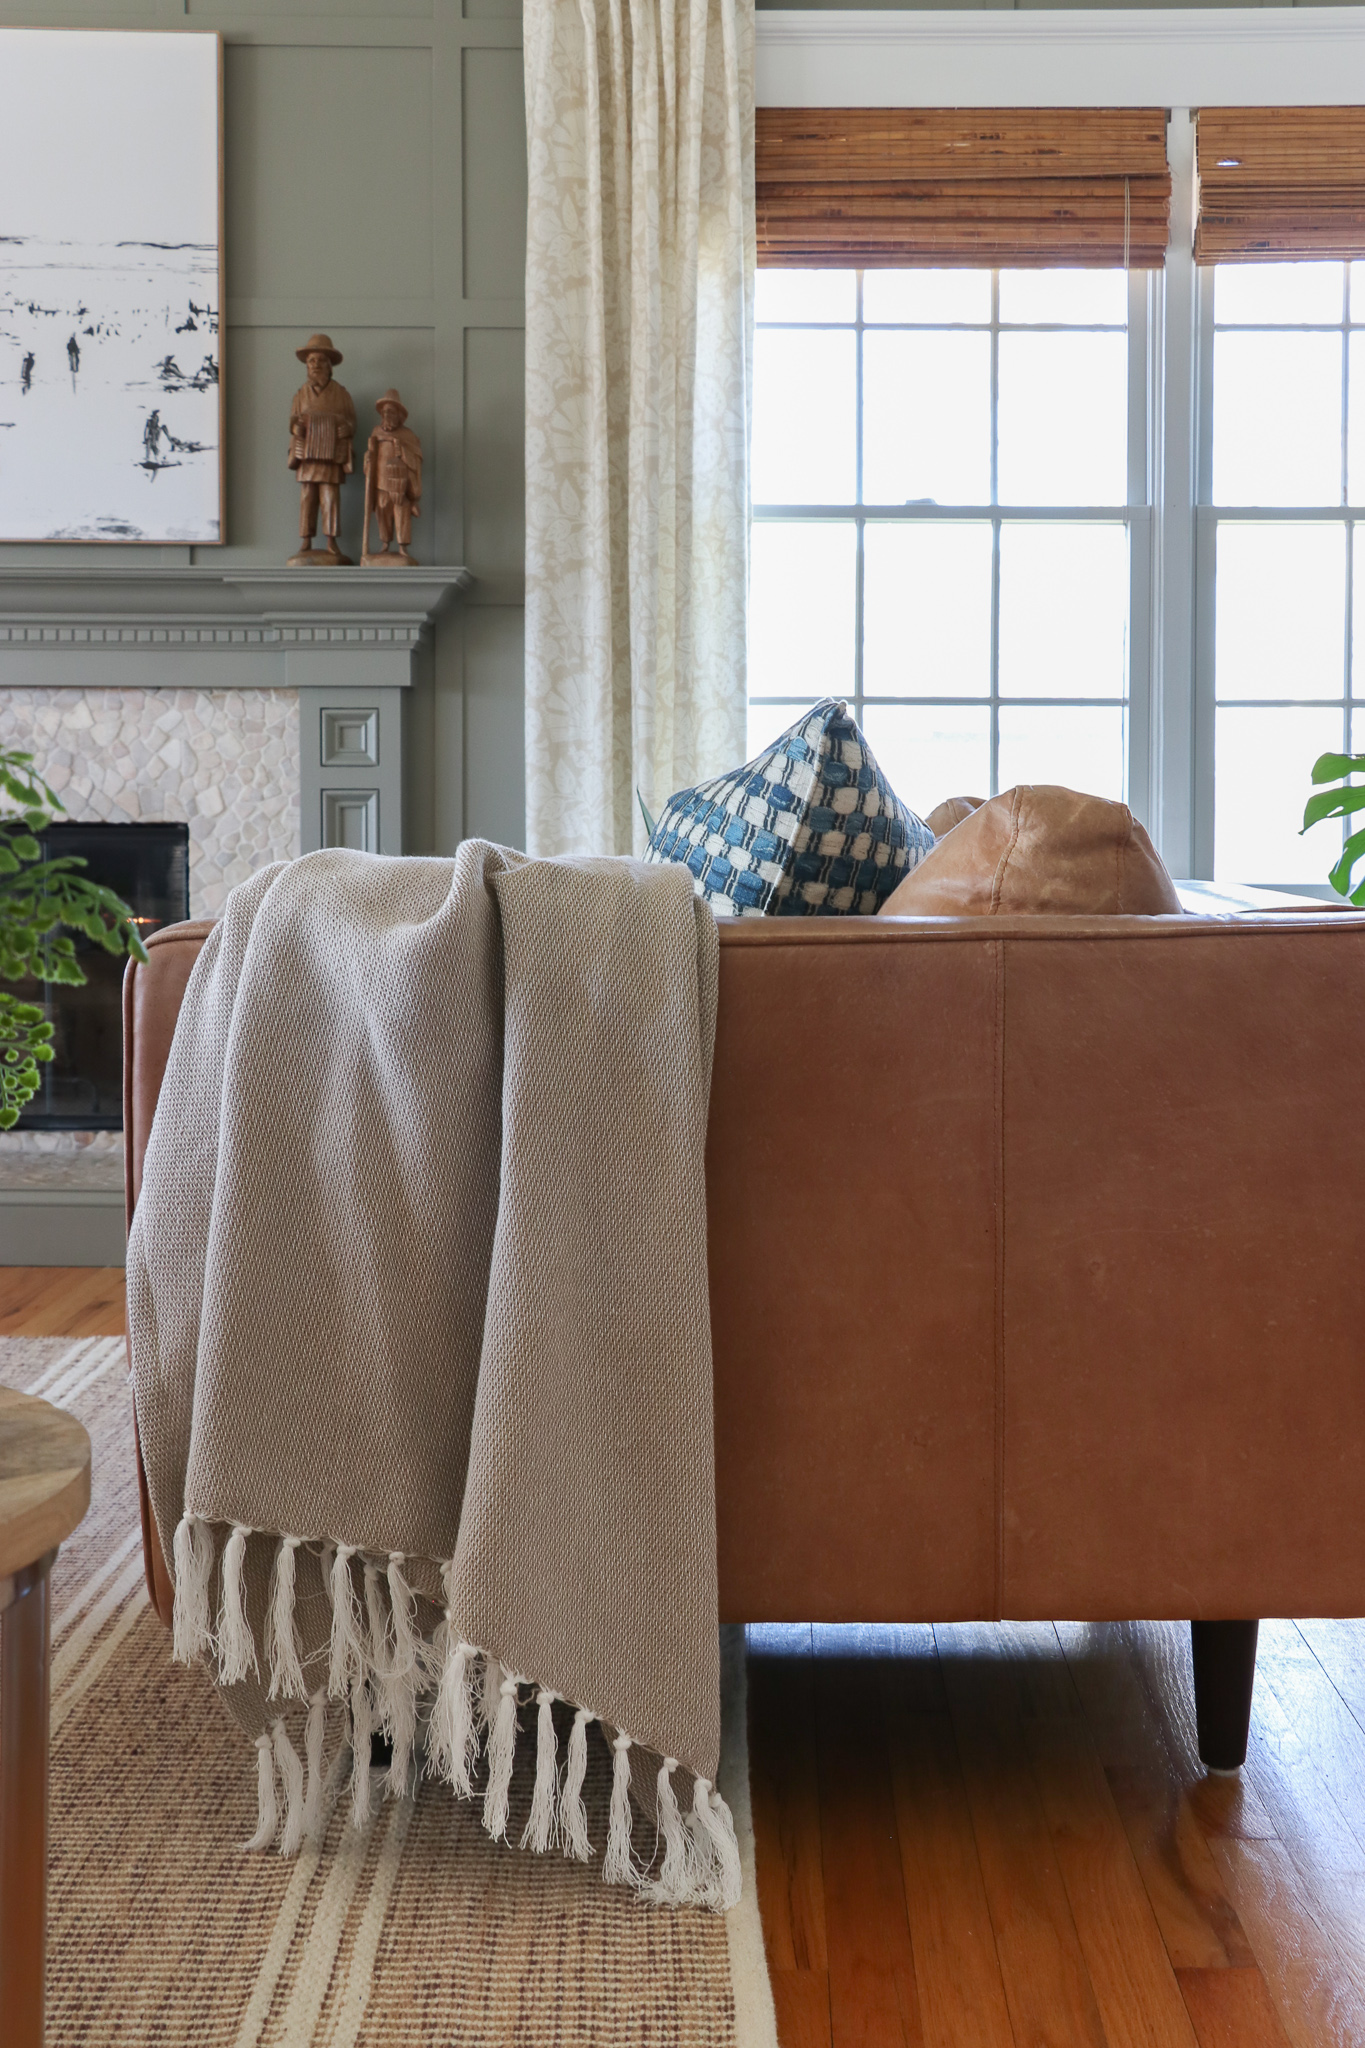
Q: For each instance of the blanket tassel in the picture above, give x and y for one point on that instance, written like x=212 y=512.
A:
x=452 y=1743
x=362 y=1723
x=502 y=1743
x=713 y=1826
x=347 y=1661
x=618 y=1865
x=192 y=1551
x=679 y=1875
x=314 y=1737
x=236 y=1646
x=282 y=1638
x=291 y=1778
x=541 y=1831
x=398 y=1695
x=267 y=1813
x=573 y=1818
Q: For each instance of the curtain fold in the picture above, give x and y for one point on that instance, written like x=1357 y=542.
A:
x=639 y=345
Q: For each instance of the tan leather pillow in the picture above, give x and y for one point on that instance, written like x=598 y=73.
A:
x=951 y=812
x=1039 y=849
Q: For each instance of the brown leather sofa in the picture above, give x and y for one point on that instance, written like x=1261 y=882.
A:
x=1036 y=1274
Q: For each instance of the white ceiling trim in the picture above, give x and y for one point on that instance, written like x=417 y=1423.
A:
x=1153 y=56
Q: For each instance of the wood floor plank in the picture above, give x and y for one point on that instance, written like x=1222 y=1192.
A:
x=785 y=1794
x=61 y=1301
x=1319 y=1996
x=1231 y=2009
x=873 y=1998
x=1307 y=1756
x=961 y=1991
x=1156 y=1801
x=801 y=2003
x=1135 y=1988
x=1047 y=1985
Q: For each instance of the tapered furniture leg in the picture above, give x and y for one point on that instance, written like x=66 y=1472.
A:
x=1224 y=1673
x=25 y=1631
x=44 y=1491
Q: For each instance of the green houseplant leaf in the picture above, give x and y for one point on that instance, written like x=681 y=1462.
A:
x=41 y=901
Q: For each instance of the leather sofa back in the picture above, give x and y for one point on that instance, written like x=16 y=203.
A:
x=1035 y=1273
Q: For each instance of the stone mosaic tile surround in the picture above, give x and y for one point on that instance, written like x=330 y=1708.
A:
x=224 y=761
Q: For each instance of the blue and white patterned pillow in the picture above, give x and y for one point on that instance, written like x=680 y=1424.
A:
x=811 y=828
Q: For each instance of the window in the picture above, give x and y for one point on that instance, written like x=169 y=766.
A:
x=950 y=518
x=1283 y=466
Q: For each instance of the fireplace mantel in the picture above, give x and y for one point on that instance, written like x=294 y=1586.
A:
x=51 y=612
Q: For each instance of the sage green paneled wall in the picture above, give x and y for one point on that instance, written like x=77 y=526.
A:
x=375 y=186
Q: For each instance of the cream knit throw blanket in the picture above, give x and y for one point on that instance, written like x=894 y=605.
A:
x=421 y=1345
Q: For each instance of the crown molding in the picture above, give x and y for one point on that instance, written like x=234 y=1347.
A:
x=1132 y=56
x=224 y=611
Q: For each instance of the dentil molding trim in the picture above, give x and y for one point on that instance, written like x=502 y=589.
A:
x=222 y=610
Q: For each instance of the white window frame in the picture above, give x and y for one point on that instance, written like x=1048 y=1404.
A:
x=1301 y=56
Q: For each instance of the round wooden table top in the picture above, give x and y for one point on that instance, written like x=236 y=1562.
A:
x=44 y=1478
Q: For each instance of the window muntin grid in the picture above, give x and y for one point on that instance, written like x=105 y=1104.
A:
x=820 y=634
x=1283 y=492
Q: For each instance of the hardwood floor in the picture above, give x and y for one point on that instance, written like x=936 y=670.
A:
x=981 y=1836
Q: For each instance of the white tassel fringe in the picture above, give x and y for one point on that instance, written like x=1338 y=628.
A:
x=453 y=1739
x=618 y=1865
x=282 y=1636
x=678 y=1873
x=542 y=1829
x=502 y=1743
x=714 y=1823
x=314 y=1742
x=192 y=1552
x=361 y=1726
x=347 y=1662
x=398 y=1697
x=573 y=1818
x=291 y=1778
x=236 y=1646
x=267 y=1814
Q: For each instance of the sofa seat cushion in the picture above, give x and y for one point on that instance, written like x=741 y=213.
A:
x=810 y=828
x=1044 y=850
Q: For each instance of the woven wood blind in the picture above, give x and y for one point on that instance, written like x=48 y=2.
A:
x=1277 y=182
x=876 y=188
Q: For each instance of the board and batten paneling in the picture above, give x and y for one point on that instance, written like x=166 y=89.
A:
x=375 y=186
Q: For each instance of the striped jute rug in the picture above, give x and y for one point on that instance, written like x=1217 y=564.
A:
x=418 y=1930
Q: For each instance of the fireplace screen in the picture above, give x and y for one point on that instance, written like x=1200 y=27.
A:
x=148 y=866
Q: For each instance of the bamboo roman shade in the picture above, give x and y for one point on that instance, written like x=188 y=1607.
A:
x=1280 y=182
x=891 y=187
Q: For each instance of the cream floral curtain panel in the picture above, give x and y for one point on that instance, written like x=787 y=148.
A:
x=639 y=324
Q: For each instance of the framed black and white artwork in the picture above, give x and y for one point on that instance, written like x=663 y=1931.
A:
x=111 y=298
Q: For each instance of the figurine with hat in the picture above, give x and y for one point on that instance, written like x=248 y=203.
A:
x=393 y=483
x=321 y=436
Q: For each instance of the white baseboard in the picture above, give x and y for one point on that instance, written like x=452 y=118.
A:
x=61 y=1227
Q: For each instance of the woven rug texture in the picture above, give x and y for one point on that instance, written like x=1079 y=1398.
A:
x=415 y=1931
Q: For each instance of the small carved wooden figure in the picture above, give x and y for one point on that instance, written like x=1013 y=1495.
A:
x=321 y=439
x=393 y=482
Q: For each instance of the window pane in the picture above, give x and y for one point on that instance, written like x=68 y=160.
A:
x=1357 y=271
x=927 y=418
x=1079 y=746
x=1076 y=297
x=805 y=295
x=1276 y=292
x=768 y=721
x=804 y=417
x=1277 y=419
x=801 y=608
x=1264 y=762
x=929 y=752
x=1063 y=419
x=1355 y=415
x=1280 y=610
x=927 y=295
x=927 y=610
x=1063 y=611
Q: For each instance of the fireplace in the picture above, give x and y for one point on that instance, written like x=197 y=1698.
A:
x=148 y=866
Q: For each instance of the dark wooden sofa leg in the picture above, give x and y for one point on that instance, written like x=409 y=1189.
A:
x=1224 y=1672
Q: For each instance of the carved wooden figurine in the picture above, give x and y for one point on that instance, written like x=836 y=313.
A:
x=321 y=437
x=393 y=483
